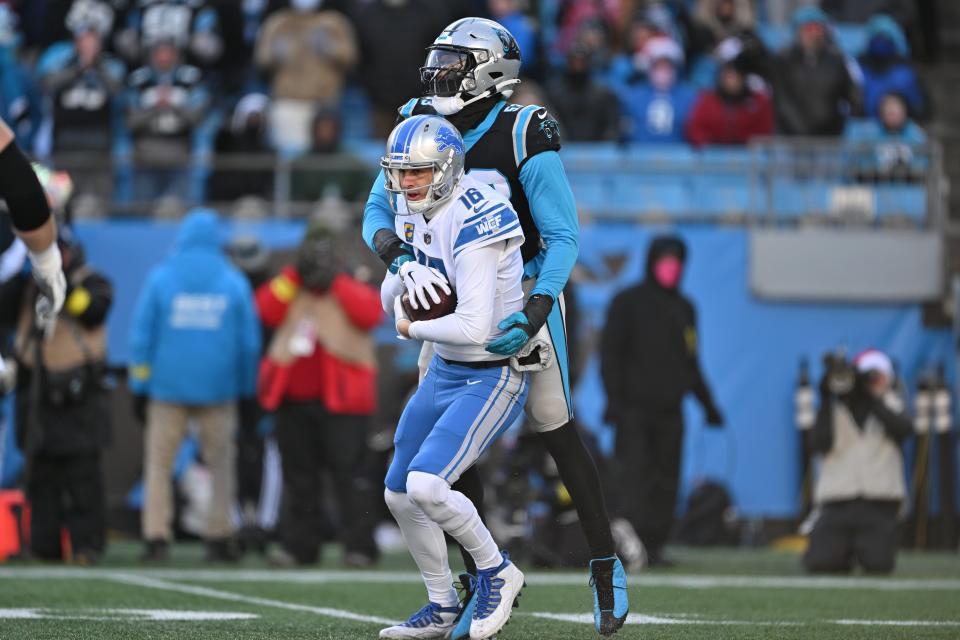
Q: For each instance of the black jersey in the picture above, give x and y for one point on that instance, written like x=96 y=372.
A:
x=497 y=149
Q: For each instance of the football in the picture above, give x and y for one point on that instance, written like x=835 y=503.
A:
x=446 y=306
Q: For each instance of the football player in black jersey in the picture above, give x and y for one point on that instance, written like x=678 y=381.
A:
x=470 y=72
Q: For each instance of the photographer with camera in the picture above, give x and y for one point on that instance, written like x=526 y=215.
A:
x=859 y=429
x=62 y=411
x=319 y=376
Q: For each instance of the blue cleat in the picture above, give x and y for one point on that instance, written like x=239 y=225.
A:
x=468 y=603
x=610 y=604
x=433 y=621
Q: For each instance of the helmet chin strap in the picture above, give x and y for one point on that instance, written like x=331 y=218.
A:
x=447 y=106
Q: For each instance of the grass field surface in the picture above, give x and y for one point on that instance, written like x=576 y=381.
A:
x=717 y=594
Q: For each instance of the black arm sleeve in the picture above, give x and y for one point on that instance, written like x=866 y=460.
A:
x=820 y=437
x=22 y=191
x=898 y=425
x=390 y=247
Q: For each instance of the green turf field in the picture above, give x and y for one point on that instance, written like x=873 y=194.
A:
x=715 y=594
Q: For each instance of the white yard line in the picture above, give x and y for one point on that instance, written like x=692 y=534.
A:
x=150 y=580
x=205 y=592
x=535 y=578
x=685 y=619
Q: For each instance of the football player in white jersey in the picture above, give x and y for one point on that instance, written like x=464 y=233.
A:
x=469 y=233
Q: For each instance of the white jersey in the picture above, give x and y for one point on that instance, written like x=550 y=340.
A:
x=464 y=240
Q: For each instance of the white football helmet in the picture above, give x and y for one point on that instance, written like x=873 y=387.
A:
x=471 y=59
x=421 y=142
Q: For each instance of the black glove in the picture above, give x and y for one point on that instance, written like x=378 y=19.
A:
x=317 y=265
x=140 y=408
x=714 y=417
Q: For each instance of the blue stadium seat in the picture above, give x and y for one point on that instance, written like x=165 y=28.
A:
x=719 y=194
x=651 y=194
x=901 y=200
x=794 y=198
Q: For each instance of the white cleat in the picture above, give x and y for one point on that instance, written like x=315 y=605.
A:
x=497 y=593
x=433 y=621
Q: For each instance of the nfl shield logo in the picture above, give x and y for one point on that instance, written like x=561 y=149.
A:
x=427 y=238
x=408 y=231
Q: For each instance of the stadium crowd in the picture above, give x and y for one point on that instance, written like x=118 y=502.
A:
x=157 y=87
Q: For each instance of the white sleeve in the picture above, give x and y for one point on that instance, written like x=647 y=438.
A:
x=476 y=280
x=391 y=287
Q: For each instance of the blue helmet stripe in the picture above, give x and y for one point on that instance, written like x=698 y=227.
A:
x=401 y=143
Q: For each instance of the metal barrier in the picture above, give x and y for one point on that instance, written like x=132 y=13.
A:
x=772 y=181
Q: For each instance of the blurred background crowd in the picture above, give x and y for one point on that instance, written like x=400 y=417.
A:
x=264 y=119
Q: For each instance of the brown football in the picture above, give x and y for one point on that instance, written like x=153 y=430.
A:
x=446 y=306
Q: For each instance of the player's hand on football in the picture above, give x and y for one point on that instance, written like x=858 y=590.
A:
x=422 y=283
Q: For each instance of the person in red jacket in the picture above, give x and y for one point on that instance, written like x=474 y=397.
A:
x=732 y=113
x=319 y=376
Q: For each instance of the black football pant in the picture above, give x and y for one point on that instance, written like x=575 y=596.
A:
x=648 y=456
x=66 y=491
x=862 y=532
x=312 y=442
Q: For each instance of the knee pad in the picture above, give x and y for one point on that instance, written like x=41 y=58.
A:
x=428 y=491
x=398 y=503
x=547 y=410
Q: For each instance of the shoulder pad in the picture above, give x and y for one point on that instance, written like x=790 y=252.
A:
x=534 y=131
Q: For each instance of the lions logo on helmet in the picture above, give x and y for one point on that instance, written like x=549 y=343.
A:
x=447 y=138
x=422 y=142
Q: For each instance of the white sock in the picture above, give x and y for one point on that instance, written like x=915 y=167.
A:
x=456 y=515
x=427 y=546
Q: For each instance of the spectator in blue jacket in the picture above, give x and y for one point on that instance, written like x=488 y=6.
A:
x=886 y=68
x=194 y=342
x=887 y=146
x=20 y=102
x=657 y=108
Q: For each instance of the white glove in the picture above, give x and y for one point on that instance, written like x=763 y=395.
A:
x=420 y=281
x=390 y=290
x=48 y=272
x=398 y=315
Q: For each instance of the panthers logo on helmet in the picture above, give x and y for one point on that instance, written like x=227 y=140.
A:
x=511 y=51
x=447 y=138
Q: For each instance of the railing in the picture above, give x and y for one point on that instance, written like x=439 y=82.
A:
x=773 y=181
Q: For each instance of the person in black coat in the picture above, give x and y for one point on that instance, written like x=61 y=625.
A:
x=813 y=91
x=648 y=363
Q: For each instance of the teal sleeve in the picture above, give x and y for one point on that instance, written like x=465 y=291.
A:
x=555 y=214
x=377 y=213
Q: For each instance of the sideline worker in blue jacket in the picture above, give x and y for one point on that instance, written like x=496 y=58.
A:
x=194 y=346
